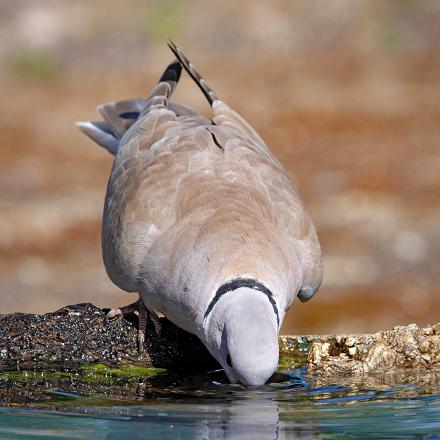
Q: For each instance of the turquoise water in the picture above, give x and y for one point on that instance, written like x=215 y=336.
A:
x=294 y=405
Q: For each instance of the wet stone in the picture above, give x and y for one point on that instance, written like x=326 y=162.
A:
x=79 y=334
x=402 y=348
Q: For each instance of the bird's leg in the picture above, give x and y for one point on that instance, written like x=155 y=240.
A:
x=155 y=319
x=137 y=306
x=143 y=313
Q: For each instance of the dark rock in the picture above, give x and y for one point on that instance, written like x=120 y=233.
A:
x=79 y=334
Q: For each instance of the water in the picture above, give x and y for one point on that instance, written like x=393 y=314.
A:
x=294 y=405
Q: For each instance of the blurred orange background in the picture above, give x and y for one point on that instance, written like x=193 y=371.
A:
x=346 y=94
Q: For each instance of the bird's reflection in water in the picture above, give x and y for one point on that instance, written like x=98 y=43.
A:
x=216 y=411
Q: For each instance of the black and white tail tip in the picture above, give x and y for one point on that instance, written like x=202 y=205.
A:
x=188 y=66
x=120 y=115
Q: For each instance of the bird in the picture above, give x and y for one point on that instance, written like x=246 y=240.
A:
x=203 y=222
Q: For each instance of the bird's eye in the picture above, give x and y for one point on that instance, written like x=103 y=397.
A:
x=228 y=360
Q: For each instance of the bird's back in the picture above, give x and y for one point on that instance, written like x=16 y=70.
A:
x=193 y=202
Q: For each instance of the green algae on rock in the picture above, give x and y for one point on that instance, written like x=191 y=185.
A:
x=97 y=381
x=126 y=371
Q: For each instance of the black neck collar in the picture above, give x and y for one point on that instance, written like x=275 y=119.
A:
x=236 y=284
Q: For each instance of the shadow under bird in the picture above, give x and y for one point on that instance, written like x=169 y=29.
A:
x=203 y=222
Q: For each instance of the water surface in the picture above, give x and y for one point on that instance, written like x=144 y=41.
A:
x=293 y=405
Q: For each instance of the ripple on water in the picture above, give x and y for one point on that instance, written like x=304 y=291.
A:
x=293 y=405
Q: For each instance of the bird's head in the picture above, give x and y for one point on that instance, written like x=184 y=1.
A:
x=241 y=332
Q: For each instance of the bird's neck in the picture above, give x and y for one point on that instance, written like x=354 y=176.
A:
x=238 y=289
x=248 y=308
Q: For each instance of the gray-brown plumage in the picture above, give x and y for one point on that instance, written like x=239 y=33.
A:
x=203 y=222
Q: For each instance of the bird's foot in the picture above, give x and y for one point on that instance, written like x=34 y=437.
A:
x=134 y=307
x=137 y=306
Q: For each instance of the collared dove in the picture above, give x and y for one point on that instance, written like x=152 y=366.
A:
x=203 y=222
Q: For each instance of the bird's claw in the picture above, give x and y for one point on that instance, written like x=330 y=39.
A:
x=112 y=313
x=139 y=307
x=141 y=341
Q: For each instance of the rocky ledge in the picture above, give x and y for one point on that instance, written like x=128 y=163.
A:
x=404 y=347
x=80 y=334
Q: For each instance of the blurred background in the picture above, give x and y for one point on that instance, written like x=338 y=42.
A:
x=346 y=94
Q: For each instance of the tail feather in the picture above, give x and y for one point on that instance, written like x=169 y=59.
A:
x=115 y=113
x=172 y=74
x=166 y=84
x=188 y=66
x=101 y=133
x=128 y=108
x=119 y=116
